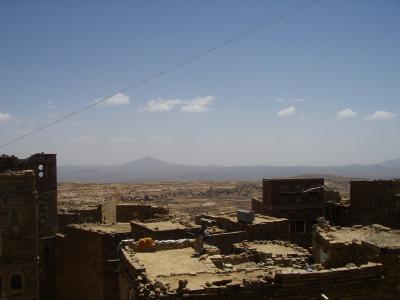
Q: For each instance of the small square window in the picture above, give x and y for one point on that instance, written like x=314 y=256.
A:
x=300 y=226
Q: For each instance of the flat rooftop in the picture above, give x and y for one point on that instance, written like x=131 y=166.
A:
x=258 y=219
x=277 y=248
x=170 y=266
x=162 y=225
x=378 y=235
x=103 y=228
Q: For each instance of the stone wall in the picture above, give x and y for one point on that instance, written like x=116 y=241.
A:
x=224 y=241
x=79 y=216
x=381 y=246
x=273 y=229
x=87 y=263
x=358 y=283
x=140 y=230
x=18 y=235
x=375 y=202
x=127 y=212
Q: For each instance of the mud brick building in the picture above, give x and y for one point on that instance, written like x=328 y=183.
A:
x=173 y=270
x=163 y=230
x=299 y=200
x=375 y=202
x=338 y=246
x=127 y=212
x=227 y=230
x=88 y=214
x=44 y=167
x=19 y=271
x=87 y=261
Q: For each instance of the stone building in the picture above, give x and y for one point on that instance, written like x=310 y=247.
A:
x=19 y=271
x=78 y=215
x=375 y=202
x=335 y=247
x=300 y=200
x=87 y=261
x=127 y=212
x=163 y=230
x=174 y=270
x=227 y=230
x=44 y=167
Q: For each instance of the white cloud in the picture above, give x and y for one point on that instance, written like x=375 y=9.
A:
x=159 y=105
x=286 y=112
x=4 y=117
x=380 y=115
x=296 y=100
x=117 y=99
x=346 y=113
x=198 y=104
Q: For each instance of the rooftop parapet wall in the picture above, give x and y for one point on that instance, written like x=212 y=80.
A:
x=157 y=275
x=263 y=227
x=340 y=246
x=163 y=230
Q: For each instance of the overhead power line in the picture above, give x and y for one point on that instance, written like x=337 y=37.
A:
x=166 y=70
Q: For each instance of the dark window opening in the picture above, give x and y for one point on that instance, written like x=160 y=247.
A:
x=14 y=217
x=1 y=285
x=300 y=226
x=16 y=282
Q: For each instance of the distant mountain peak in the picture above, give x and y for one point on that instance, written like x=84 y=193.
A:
x=149 y=159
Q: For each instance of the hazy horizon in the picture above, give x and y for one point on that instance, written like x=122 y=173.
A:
x=318 y=88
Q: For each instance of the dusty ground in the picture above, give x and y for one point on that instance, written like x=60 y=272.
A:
x=186 y=198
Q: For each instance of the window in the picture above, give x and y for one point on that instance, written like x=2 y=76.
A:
x=300 y=226
x=14 y=217
x=42 y=209
x=17 y=284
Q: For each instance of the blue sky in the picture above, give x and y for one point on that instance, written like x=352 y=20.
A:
x=320 y=87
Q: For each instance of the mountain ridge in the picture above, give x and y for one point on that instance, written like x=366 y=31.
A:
x=153 y=169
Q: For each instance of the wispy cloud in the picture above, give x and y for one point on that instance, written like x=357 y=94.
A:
x=293 y=100
x=116 y=100
x=160 y=105
x=286 y=112
x=380 y=115
x=5 y=117
x=196 y=105
x=346 y=113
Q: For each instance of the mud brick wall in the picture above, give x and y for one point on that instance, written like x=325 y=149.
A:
x=79 y=216
x=225 y=241
x=129 y=212
x=141 y=231
x=375 y=202
x=389 y=257
x=19 y=233
x=257 y=206
x=87 y=264
x=333 y=254
x=273 y=230
x=108 y=211
x=338 y=214
x=45 y=168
